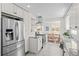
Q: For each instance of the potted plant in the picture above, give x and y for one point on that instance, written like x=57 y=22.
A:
x=66 y=34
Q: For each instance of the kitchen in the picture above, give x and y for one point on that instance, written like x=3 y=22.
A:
x=27 y=30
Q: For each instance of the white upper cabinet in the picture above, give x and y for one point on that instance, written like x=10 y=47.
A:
x=73 y=15
x=12 y=9
x=18 y=11
x=77 y=15
x=8 y=8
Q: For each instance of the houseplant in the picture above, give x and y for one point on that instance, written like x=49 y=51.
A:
x=66 y=34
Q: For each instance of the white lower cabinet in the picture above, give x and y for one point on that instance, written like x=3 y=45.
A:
x=39 y=43
x=35 y=44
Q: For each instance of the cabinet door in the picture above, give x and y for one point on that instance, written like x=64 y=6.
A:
x=77 y=15
x=33 y=45
x=8 y=8
x=0 y=28
x=73 y=18
x=39 y=43
x=18 y=11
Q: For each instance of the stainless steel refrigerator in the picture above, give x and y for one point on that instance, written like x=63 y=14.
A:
x=12 y=41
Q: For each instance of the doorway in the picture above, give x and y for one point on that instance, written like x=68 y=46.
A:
x=54 y=32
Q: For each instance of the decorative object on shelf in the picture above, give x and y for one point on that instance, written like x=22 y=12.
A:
x=73 y=32
x=39 y=24
x=33 y=20
x=40 y=19
x=67 y=34
x=47 y=28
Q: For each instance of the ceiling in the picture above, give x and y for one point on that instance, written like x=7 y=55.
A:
x=46 y=10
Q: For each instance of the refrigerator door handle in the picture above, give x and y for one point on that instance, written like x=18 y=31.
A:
x=16 y=31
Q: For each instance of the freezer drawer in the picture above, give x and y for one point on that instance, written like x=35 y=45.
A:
x=9 y=48
x=17 y=52
x=14 y=53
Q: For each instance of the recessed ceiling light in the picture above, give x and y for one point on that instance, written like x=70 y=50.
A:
x=28 y=6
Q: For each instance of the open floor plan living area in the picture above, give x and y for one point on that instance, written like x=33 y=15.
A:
x=39 y=29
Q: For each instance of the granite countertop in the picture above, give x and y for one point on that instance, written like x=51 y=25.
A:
x=33 y=37
x=68 y=46
x=40 y=34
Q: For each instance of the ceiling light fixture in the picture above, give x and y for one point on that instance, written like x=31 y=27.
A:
x=28 y=6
